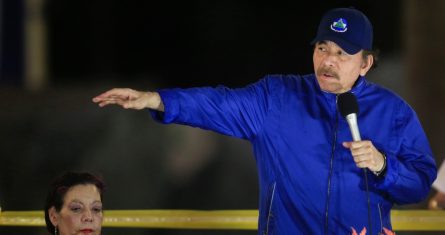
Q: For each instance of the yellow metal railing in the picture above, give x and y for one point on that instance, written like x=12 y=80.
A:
x=402 y=220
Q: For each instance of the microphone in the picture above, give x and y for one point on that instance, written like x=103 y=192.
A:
x=348 y=107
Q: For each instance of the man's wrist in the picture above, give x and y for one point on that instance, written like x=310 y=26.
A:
x=383 y=169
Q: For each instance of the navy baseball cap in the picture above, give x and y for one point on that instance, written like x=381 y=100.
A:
x=347 y=27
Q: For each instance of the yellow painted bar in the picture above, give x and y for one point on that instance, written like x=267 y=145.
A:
x=183 y=219
x=402 y=220
x=418 y=220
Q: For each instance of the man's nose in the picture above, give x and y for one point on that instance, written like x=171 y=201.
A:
x=330 y=59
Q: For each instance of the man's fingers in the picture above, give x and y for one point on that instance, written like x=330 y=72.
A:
x=364 y=154
x=362 y=162
x=359 y=158
x=122 y=93
x=104 y=103
x=354 y=144
x=108 y=101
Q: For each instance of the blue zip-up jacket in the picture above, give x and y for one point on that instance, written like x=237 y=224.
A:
x=309 y=183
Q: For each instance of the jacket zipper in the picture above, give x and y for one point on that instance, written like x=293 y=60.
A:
x=380 y=217
x=330 y=170
x=270 y=209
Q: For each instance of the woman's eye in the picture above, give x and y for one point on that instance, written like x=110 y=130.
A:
x=97 y=209
x=75 y=209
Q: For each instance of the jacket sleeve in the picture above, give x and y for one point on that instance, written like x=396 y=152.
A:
x=411 y=168
x=234 y=112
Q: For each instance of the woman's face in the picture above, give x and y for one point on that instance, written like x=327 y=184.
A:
x=81 y=213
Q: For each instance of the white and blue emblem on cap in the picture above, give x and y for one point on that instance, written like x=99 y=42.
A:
x=340 y=25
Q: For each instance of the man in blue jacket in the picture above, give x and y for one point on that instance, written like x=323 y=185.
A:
x=311 y=174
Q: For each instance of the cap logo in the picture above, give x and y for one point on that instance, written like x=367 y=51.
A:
x=341 y=25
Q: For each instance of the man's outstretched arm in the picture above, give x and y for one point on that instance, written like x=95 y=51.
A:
x=130 y=99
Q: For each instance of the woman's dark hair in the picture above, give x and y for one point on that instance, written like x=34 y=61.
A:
x=61 y=185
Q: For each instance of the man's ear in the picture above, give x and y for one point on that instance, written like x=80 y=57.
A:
x=53 y=216
x=366 y=65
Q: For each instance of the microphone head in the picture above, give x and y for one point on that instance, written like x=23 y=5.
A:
x=347 y=104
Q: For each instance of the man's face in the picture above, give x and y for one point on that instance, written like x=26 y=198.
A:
x=336 y=70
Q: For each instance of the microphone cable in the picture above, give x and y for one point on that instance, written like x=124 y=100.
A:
x=365 y=172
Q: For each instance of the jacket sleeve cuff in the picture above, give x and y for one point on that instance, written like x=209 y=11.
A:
x=391 y=174
x=171 y=107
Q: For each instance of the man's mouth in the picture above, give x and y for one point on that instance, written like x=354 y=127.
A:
x=327 y=74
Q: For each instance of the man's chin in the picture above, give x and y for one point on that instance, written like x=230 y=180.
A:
x=330 y=88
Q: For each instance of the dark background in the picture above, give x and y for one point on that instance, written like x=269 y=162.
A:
x=92 y=46
x=188 y=43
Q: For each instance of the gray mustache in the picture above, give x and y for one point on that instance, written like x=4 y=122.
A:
x=324 y=70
